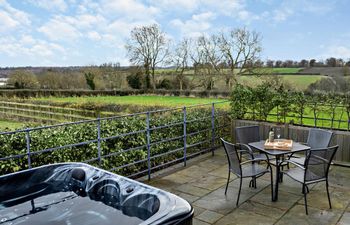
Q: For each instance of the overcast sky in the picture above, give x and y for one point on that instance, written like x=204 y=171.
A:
x=73 y=32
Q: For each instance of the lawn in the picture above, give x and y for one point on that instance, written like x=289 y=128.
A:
x=286 y=70
x=298 y=82
x=6 y=125
x=301 y=82
x=273 y=70
x=163 y=101
x=323 y=120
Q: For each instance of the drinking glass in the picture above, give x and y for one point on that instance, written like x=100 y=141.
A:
x=278 y=133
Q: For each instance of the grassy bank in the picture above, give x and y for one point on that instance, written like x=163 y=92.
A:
x=141 y=100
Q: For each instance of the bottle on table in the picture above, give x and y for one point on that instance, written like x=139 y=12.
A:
x=271 y=135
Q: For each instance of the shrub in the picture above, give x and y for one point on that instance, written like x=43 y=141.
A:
x=165 y=84
x=135 y=80
x=115 y=151
x=240 y=99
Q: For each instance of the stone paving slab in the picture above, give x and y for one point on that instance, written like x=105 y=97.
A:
x=285 y=199
x=345 y=220
x=199 y=222
x=317 y=198
x=192 y=190
x=209 y=216
x=203 y=183
x=296 y=215
x=222 y=171
x=190 y=198
x=209 y=182
x=243 y=217
x=262 y=209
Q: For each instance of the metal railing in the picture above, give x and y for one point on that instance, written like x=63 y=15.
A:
x=213 y=125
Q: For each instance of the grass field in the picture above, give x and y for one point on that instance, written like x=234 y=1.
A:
x=9 y=125
x=164 y=101
x=298 y=82
x=286 y=70
x=273 y=70
x=301 y=82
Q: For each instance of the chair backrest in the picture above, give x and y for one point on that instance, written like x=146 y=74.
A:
x=232 y=157
x=318 y=161
x=319 y=138
x=247 y=134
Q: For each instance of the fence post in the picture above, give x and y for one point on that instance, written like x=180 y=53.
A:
x=28 y=148
x=99 y=139
x=212 y=128
x=148 y=133
x=185 y=134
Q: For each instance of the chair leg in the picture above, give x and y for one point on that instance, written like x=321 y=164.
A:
x=255 y=182
x=329 y=199
x=305 y=201
x=228 y=181
x=280 y=178
x=306 y=188
x=271 y=185
x=252 y=183
x=239 y=191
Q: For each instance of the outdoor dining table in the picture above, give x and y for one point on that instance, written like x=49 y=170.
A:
x=278 y=154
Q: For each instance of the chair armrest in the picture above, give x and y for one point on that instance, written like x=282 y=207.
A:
x=245 y=148
x=320 y=158
x=254 y=160
x=292 y=154
x=291 y=162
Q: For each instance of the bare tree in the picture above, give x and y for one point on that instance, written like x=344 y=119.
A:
x=23 y=79
x=207 y=60
x=148 y=47
x=240 y=48
x=181 y=58
x=212 y=59
x=269 y=63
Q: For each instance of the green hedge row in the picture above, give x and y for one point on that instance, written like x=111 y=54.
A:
x=27 y=93
x=14 y=144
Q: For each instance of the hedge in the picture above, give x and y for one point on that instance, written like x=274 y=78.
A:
x=15 y=143
x=27 y=93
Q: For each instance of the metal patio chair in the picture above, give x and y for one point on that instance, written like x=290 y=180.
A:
x=244 y=169
x=317 y=138
x=315 y=169
x=248 y=134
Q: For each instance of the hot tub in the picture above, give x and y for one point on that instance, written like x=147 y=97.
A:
x=77 y=193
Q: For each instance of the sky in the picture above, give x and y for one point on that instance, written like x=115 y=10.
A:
x=92 y=32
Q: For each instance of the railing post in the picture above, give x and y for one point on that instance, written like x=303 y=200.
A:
x=99 y=140
x=148 y=133
x=28 y=148
x=185 y=134
x=212 y=128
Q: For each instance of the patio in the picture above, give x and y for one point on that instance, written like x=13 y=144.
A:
x=203 y=181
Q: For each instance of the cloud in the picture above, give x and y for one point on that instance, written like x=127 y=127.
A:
x=51 y=5
x=171 y=5
x=128 y=9
x=226 y=7
x=248 y=17
x=337 y=51
x=11 y=18
x=59 y=30
x=27 y=46
x=93 y=35
x=289 y=8
x=194 y=27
